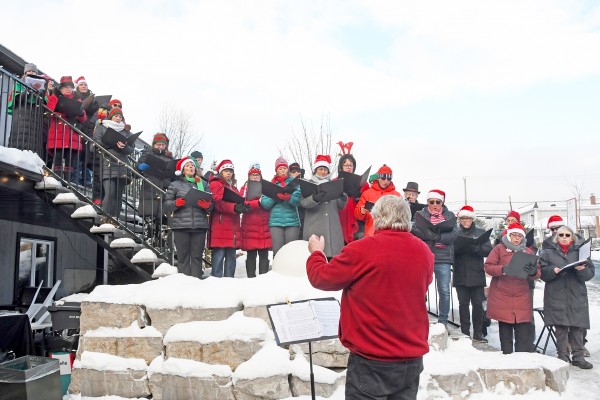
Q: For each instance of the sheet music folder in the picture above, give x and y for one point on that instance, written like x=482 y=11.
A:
x=333 y=189
x=193 y=195
x=232 y=197
x=353 y=182
x=159 y=166
x=518 y=262
x=305 y=320
x=111 y=137
x=462 y=241
x=585 y=252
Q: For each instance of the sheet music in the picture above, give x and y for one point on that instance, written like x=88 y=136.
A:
x=328 y=315
x=585 y=252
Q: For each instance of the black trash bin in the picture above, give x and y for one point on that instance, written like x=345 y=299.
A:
x=30 y=378
x=65 y=316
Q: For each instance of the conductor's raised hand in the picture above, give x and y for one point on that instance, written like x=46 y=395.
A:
x=316 y=243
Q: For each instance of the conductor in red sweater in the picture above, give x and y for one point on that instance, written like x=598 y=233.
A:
x=384 y=320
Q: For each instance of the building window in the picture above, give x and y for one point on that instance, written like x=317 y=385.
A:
x=35 y=262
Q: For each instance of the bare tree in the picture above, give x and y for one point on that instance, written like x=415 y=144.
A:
x=177 y=125
x=303 y=147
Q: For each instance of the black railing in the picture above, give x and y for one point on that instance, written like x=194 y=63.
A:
x=101 y=177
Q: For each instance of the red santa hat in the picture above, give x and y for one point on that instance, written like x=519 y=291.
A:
x=280 y=162
x=322 y=161
x=555 y=221
x=467 y=211
x=181 y=164
x=514 y=214
x=225 y=164
x=80 y=80
x=515 y=227
x=437 y=194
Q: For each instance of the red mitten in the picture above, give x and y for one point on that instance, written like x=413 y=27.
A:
x=284 y=196
x=180 y=202
x=253 y=203
x=204 y=204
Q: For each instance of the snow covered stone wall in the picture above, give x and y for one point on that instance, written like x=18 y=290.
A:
x=179 y=337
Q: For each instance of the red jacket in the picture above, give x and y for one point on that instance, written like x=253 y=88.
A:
x=60 y=135
x=224 y=222
x=255 y=227
x=385 y=279
x=372 y=194
x=509 y=299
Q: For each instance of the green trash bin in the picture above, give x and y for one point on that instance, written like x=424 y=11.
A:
x=30 y=378
x=65 y=359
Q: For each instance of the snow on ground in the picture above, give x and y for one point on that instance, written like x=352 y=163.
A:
x=25 y=159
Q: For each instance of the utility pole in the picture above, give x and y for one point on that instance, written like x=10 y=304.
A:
x=465 y=186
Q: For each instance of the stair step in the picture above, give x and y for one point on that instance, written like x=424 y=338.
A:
x=66 y=198
x=145 y=256
x=123 y=243
x=50 y=183
x=104 y=228
x=85 y=212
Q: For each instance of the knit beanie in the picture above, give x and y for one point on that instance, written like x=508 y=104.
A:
x=225 y=164
x=280 y=162
x=115 y=101
x=158 y=138
x=197 y=154
x=115 y=111
x=384 y=170
x=514 y=214
x=254 y=169
x=30 y=67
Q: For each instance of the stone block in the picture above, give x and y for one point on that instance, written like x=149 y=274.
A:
x=273 y=387
x=227 y=352
x=75 y=385
x=438 y=337
x=174 y=387
x=517 y=380
x=95 y=315
x=328 y=353
x=146 y=348
x=301 y=387
x=128 y=384
x=460 y=384
x=163 y=319
x=557 y=377
x=258 y=312
x=97 y=344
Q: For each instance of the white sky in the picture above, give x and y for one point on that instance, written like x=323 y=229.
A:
x=503 y=93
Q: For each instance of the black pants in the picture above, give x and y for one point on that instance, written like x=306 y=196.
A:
x=370 y=379
x=522 y=336
x=474 y=296
x=263 y=262
x=190 y=246
x=113 y=196
x=566 y=335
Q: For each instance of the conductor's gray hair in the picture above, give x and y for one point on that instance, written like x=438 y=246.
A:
x=564 y=229
x=391 y=212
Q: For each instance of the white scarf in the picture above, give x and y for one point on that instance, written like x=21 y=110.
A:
x=117 y=126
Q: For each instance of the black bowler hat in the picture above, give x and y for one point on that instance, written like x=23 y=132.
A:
x=412 y=187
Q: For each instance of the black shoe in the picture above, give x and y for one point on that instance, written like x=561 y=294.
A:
x=480 y=339
x=583 y=364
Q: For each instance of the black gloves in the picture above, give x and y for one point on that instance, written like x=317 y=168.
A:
x=530 y=269
x=319 y=197
x=241 y=208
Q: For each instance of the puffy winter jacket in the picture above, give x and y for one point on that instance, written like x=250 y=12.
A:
x=443 y=254
x=372 y=194
x=189 y=216
x=110 y=168
x=565 y=294
x=468 y=262
x=224 y=221
x=283 y=213
x=255 y=227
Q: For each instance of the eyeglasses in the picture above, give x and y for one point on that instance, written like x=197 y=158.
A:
x=464 y=218
x=385 y=177
x=432 y=202
x=347 y=165
x=567 y=235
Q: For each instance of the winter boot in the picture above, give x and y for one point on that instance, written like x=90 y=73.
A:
x=263 y=266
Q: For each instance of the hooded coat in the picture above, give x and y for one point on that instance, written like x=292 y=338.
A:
x=255 y=227
x=565 y=294
x=60 y=135
x=224 y=221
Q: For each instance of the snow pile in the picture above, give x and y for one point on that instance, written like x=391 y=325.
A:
x=25 y=159
x=187 y=368
x=164 y=269
x=236 y=327
x=271 y=360
x=122 y=243
x=86 y=211
x=144 y=256
x=74 y=298
x=48 y=183
x=66 y=198
x=108 y=362
x=133 y=331
x=104 y=228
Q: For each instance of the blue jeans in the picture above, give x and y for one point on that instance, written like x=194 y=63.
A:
x=442 y=276
x=220 y=254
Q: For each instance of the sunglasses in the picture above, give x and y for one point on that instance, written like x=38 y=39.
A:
x=432 y=202
x=567 y=235
x=117 y=106
x=553 y=229
x=385 y=177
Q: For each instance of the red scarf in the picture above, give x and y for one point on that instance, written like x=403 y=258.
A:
x=281 y=179
x=564 y=247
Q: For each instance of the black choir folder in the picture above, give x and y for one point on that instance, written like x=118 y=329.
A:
x=271 y=189
x=353 y=182
x=193 y=195
x=333 y=189
x=111 y=137
x=305 y=320
x=159 y=166
x=232 y=197
x=585 y=252
x=429 y=229
x=517 y=262
x=462 y=242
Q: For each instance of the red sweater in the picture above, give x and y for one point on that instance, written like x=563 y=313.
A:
x=385 y=279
